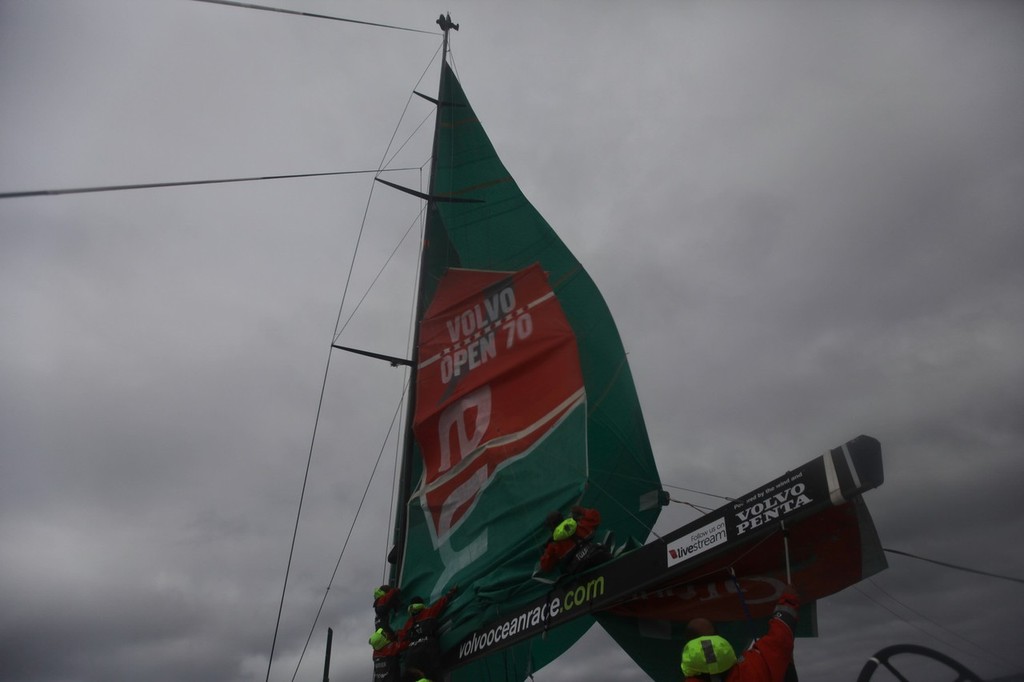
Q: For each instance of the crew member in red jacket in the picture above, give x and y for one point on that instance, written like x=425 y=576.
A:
x=571 y=543
x=419 y=638
x=710 y=657
x=386 y=649
x=385 y=600
x=386 y=645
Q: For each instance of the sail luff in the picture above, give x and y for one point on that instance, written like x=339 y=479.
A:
x=405 y=483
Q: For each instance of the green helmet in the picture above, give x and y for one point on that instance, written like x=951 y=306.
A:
x=565 y=530
x=416 y=605
x=379 y=639
x=711 y=655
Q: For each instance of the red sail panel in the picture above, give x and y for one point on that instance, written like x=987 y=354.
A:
x=498 y=367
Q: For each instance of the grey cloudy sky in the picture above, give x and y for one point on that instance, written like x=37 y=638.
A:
x=807 y=218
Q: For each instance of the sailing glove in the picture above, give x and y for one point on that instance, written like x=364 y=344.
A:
x=786 y=609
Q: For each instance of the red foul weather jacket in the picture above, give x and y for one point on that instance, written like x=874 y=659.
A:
x=586 y=523
x=770 y=656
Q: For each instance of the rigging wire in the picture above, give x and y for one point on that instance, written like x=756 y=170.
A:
x=309 y=458
x=369 y=198
x=698 y=492
x=407 y=140
x=678 y=487
x=409 y=343
x=410 y=339
x=376 y=277
x=298 y=514
x=918 y=627
x=959 y=568
x=323 y=390
x=340 y=328
x=312 y=15
x=152 y=185
x=934 y=623
x=387 y=437
x=184 y=183
x=622 y=505
x=701 y=509
x=394 y=488
x=348 y=536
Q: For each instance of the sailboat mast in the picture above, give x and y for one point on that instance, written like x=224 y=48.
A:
x=445 y=22
x=405 y=481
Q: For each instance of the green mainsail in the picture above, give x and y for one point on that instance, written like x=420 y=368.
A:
x=524 y=402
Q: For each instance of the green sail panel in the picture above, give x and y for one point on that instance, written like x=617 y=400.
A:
x=563 y=423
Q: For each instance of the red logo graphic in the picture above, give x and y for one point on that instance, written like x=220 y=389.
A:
x=497 y=368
